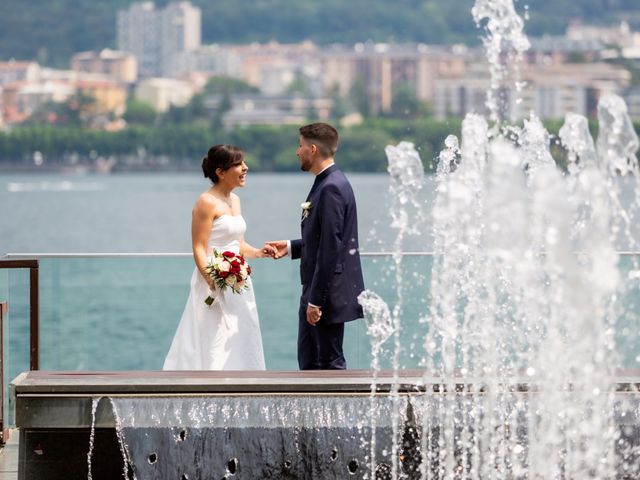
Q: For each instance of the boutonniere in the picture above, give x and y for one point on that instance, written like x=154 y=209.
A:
x=306 y=206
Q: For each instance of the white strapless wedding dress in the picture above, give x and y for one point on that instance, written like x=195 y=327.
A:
x=225 y=335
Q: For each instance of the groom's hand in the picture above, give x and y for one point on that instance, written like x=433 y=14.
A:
x=280 y=247
x=268 y=251
x=313 y=315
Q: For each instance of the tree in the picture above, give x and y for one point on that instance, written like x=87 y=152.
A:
x=76 y=110
x=139 y=113
x=358 y=94
x=405 y=104
x=193 y=111
x=229 y=86
x=299 y=85
x=338 y=107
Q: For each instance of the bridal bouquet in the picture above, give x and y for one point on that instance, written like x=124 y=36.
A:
x=228 y=269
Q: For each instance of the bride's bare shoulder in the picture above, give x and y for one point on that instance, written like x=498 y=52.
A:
x=206 y=203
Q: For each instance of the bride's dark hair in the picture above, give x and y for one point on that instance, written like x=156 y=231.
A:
x=222 y=157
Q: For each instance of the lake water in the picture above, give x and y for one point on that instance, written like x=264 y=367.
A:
x=152 y=213
x=105 y=313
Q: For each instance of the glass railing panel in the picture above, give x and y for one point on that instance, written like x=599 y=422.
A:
x=4 y=284
x=120 y=313
x=109 y=313
x=16 y=332
x=627 y=315
x=405 y=288
x=4 y=298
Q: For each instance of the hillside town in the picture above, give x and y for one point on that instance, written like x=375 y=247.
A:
x=160 y=60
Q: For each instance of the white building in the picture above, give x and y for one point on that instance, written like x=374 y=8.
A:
x=121 y=66
x=383 y=68
x=271 y=67
x=257 y=109
x=620 y=35
x=162 y=93
x=455 y=95
x=33 y=95
x=212 y=59
x=632 y=98
x=550 y=91
x=13 y=71
x=158 y=37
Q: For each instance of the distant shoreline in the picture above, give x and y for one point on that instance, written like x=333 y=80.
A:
x=82 y=169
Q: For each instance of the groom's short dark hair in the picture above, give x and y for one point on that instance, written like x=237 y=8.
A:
x=323 y=135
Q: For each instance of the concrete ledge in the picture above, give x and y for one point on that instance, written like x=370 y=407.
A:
x=65 y=399
x=212 y=382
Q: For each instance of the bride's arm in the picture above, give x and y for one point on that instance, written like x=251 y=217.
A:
x=250 y=252
x=201 y=221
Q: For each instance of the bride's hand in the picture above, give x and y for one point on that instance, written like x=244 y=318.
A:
x=279 y=247
x=267 y=251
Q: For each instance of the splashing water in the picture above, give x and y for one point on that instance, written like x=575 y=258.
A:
x=504 y=43
x=574 y=135
x=618 y=143
x=121 y=439
x=449 y=158
x=525 y=290
x=380 y=327
x=92 y=435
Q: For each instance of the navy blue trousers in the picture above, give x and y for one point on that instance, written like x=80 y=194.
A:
x=319 y=346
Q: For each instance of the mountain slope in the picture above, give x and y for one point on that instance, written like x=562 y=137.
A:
x=51 y=30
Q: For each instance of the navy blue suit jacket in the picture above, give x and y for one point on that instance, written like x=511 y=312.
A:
x=330 y=269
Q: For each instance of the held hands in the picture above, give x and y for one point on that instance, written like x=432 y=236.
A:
x=267 y=250
x=279 y=247
x=274 y=249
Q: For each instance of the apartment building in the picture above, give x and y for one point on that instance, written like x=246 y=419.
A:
x=550 y=91
x=273 y=66
x=257 y=109
x=382 y=68
x=13 y=71
x=157 y=37
x=121 y=66
x=162 y=93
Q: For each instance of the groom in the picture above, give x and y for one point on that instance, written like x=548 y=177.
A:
x=329 y=255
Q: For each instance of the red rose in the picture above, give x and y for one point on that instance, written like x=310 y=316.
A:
x=248 y=269
x=223 y=274
x=228 y=254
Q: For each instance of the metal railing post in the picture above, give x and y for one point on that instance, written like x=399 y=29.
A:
x=34 y=306
x=34 y=318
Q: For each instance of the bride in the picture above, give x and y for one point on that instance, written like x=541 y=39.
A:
x=225 y=335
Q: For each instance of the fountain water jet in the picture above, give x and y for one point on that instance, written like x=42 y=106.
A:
x=526 y=290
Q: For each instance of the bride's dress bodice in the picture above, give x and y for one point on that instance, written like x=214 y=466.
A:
x=226 y=232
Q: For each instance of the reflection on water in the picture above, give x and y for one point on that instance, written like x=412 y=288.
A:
x=54 y=186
